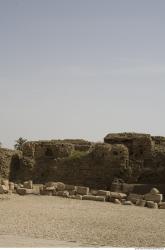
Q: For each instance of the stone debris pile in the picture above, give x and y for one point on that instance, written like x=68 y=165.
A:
x=153 y=199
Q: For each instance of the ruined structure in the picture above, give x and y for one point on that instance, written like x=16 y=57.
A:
x=133 y=157
x=7 y=159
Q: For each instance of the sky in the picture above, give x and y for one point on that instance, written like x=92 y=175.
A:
x=81 y=68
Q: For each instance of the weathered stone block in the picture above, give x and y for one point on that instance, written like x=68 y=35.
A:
x=11 y=186
x=153 y=197
x=134 y=197
x=82 y=190
x=5 y=182
x=100 y=198
x=21 y=191
x=152 y=204
x=24 y=191
x=60 y=186
x=103 y=193
x=29 y=191
x=117 y=195
x=93 y=198
x=162 y=205
x=36 y=189
x=28 y=184
x=3 y=189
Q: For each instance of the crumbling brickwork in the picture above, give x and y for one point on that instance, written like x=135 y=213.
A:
x=133 y=157
x=7 y=159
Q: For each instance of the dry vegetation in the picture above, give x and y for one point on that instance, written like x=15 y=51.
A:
x=84 y=223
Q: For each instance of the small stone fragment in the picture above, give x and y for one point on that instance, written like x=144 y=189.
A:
x=154 y=191
x=116 y=201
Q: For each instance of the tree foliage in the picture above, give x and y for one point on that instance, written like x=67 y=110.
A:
x=19 y=143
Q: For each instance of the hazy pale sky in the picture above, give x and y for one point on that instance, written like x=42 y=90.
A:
x=81 y=68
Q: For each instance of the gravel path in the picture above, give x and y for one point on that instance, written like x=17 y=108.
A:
x=83 y=223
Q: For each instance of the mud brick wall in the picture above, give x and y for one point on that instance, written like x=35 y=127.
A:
x=95 y=168
x=6 y=160
x=136 y=158
x=47 y=149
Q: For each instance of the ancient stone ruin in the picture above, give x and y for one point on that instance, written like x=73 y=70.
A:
x=127 y=168
x=137 y=159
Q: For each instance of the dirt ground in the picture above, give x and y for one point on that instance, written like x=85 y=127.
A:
x=50 y=221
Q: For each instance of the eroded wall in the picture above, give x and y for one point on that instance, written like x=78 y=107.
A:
x=136 y=158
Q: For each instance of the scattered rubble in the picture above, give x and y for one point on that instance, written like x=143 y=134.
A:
x=153 y=199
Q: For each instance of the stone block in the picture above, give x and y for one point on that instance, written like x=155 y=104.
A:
x=36 y=190
x=103 y=193
x=141 y=203
x=24 y=191
x=3 y=189
x=11 y=186
x=21 y=191
x=93 y=197
x=5 y=182
x=29 y=191
x=117 y=195
x=162 y=205
x=28 y=184
x=100 y=198
x=134 y=197
x=152 y=204
x=153 y=197
x=60 y=186
x=82 y=190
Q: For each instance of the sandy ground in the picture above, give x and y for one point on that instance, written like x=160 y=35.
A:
x=45 y=221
